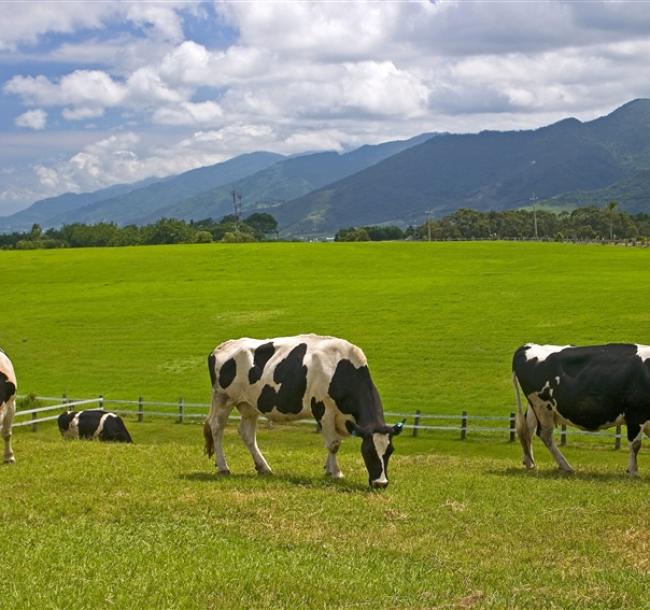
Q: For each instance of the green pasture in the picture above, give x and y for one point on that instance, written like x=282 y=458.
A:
x=150 y=525
x=438 y=321
x=89 y=525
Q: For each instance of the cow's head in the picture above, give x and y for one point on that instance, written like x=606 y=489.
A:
x=64 y=421
x=376 y=449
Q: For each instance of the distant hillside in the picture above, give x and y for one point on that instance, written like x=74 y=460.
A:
x=489 y=170
x=43 y=210
x=127 y=203
x=632 y=194
x=132 y=207
x=283 y=181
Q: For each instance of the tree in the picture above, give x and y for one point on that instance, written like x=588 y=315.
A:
x=262 y=224
x=611 y=207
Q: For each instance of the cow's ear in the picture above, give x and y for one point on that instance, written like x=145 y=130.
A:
x=353 y=428
x=397 y=428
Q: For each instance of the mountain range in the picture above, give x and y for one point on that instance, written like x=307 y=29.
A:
x=566 y=164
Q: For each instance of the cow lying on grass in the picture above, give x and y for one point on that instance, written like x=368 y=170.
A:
x=7 y=404
x=296 y=378
x=589 y=387
x=93 y=424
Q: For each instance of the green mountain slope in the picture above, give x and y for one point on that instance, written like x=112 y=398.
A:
x=283 y=181
x=134 y=205
x=488 y=170
x=43 y=210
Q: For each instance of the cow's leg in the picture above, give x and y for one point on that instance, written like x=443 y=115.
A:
x=9 y=409
x=217 y=420
x=546 y=434
x=332 y=442
x=634 y=435
x=526 y=427
x=247 y=431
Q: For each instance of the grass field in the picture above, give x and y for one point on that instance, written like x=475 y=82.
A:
x=439 y=322
x=87 y=525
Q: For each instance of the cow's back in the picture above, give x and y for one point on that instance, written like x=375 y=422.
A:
x=281 y=374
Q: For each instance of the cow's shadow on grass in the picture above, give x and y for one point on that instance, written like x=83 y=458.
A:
x=274 y=480
x=556 y=474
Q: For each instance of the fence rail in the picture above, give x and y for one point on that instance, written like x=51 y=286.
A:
x=460 y=423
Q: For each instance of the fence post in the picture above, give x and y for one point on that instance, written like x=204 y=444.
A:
x=563 y=435
x=100 y=401
x=140 y=409
x=64 y=400
x=416 y=422
x=512 y=427
x=34 y=416
x=463 y=426
x=181 y=410
x=617 y=439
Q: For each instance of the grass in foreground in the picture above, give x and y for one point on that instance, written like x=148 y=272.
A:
x=89 y=525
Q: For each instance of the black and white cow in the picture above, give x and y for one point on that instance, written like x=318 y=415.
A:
x=589 y=387
x=8 y=387
x=93 y=424
x=293 y=378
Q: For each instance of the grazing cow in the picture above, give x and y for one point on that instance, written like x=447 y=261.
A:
x=93 y=423
x=296 y=378
x=589 y=387
x=7 y=404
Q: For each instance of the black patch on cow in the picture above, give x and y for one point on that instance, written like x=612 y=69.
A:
x=317 y=409
x=291 y=375
x=355 y=394
x=261 y=356
x=227 y=373
x=7 y=388
x=596 y=383
x=212 y=359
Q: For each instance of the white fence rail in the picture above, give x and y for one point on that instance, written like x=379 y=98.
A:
x=462 y=423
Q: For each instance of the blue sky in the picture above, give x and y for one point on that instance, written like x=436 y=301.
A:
x=97 y=93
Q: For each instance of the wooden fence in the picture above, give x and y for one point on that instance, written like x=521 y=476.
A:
x=461 y=424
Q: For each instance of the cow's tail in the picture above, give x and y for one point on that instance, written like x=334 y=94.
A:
x=207 y=429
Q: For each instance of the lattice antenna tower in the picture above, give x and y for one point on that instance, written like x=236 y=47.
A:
x=236 y=203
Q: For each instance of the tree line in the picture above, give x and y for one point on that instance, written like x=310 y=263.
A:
x=582 y=224
x=259 y=226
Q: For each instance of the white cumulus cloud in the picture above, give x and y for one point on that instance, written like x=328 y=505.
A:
x=32 y=119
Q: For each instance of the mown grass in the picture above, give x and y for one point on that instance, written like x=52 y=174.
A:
x=90 y=525
x=87 y=525
x=438 y=321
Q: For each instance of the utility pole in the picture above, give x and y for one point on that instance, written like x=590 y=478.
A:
x=236 y=206
x=534 y=199
x=428 y=212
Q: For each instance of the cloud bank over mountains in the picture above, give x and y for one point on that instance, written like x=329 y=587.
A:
x=99 y=93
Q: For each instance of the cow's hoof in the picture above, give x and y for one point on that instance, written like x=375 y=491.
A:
x=568 y=472
x=223 y=473
x=264 y=472
x=10 y=460
x=337 y=476
x=634 y=474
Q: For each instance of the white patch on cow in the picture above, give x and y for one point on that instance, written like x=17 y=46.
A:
x=73 y=428
x=381 y=442
x=643 y=352
x=542 y=352
x=102 y=421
